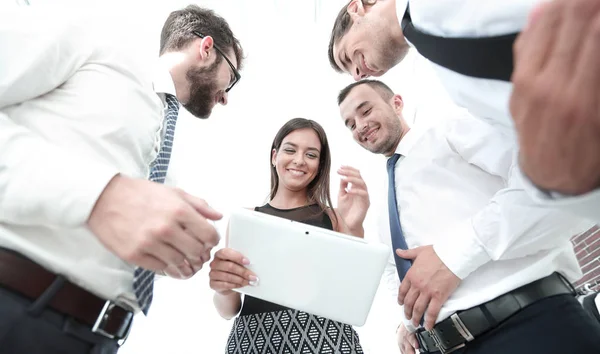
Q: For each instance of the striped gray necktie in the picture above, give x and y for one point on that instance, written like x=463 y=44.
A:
x=143 y=279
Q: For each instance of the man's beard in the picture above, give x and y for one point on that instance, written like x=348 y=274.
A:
x=388 y=144
x=203 y=89
x=390 y=54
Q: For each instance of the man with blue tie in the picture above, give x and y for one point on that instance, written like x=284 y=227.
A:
x=469 y=45
x=465 y=282
x=85 y=218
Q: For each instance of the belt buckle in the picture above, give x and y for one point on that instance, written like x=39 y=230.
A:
x=122 y=341
x=423 y=346
x=101 y=321
x=462 y=330
x=440 y=345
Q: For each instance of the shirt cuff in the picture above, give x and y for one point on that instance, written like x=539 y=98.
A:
x=461 y=251
x=586 y=205
x=407 y=323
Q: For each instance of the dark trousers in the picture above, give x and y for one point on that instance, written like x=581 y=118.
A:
x=29 y=327
x=556 y=325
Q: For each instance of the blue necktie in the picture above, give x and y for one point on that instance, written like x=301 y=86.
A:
x=398 y=241
x=143 y=279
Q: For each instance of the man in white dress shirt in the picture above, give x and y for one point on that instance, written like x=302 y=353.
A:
x=368 y=40
x=85 y=220
x=476 y=283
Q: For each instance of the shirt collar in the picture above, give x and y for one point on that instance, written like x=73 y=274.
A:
x=162 y=81
x=409 y=140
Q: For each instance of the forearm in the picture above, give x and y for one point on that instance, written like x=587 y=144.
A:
x=228 y=306
x=41 y=183
x=357 y=231
x=340 y=225
x=511 y=226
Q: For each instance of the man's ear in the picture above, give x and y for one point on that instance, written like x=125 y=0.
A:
x=206 y=45
x=398 y=104
x=355 y=9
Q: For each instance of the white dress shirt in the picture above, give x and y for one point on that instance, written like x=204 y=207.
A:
x=453 y=188
x=75 y=109
x=487 y=99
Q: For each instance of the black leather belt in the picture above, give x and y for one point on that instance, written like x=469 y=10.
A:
x=29 y=279
x=462 y=327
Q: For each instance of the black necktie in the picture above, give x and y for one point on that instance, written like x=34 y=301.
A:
x=483 y=57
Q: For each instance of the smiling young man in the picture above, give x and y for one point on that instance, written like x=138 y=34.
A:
x=476 y=282
x=470 y=47
x=368 y=39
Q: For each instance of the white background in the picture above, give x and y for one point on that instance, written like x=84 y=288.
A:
x=225 y=159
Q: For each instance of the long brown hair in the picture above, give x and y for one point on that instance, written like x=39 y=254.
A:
x=318 y=188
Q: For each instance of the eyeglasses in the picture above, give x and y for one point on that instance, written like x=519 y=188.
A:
x=236 y=74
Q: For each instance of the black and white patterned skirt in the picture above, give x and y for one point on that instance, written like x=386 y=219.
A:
x=292 y=332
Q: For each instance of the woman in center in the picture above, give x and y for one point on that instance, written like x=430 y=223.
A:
x=300 y=164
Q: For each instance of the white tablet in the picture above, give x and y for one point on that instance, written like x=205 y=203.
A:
x=309 y=268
